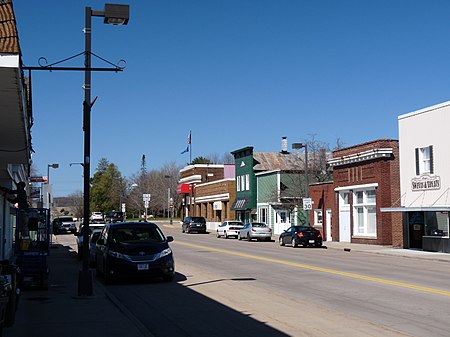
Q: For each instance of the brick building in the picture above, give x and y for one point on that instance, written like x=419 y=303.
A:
x=208 y=191
x=366 y=178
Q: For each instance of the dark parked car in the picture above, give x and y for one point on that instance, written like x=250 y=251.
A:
x=64 y=224
x=194 y=224
x=114 y=216
x=134 y=249
x=301 y=235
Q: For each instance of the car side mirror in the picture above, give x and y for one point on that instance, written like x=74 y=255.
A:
x=101 y=241
x=169 y=238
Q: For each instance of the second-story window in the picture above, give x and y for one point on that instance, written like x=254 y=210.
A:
x=424 y=160
x=247 y=182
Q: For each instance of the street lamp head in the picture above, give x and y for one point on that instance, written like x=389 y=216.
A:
x=297 y=146
x=53 y=165
x=116 y=14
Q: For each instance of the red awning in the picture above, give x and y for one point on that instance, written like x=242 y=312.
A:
x=183 y=189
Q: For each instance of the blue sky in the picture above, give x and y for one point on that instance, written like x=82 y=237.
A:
x=236 y=72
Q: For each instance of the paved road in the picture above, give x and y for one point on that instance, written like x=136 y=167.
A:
x=226 y=287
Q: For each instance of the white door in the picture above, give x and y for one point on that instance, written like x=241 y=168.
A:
x=344 y=216
x=282 y=222
x=329 y=225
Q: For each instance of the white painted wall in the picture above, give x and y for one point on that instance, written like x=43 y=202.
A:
x=421 y=128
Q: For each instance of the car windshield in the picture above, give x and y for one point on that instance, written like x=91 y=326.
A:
x=198 y=219
x=141 y=234
x=66 y=219
x=258 y=224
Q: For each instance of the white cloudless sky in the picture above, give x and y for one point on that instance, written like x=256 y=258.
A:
x=237 y=73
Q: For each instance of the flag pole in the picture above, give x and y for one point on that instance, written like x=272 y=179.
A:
x=190 y=146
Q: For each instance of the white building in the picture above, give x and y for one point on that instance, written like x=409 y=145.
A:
x=424 y=140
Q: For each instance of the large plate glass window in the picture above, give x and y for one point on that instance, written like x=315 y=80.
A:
x=364 y=213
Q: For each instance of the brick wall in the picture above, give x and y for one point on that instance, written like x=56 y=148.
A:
x=385 y=172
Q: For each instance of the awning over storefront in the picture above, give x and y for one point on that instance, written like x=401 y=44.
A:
x=416 y=209
x=240 y=204
x=183 y=189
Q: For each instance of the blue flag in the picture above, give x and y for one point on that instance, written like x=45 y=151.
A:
x=187 y=150
x=189 y=143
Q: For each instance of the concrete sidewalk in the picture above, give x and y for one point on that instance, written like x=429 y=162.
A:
x=388 y=250
x=59 y=311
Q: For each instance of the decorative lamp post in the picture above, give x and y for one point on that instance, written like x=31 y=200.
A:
x=117 y=15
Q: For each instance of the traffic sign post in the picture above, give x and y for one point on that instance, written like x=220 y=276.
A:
x=146 y=199
x=307 y=204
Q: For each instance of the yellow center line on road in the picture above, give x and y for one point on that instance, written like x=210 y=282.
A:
x=323 y=270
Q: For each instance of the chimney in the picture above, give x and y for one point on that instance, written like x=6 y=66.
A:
x=284 y=145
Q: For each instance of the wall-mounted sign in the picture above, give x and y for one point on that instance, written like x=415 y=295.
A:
x=426 y=182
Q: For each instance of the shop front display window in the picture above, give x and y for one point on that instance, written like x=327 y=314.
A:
x=364 y=213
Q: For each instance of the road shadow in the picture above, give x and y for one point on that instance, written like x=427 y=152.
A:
x=150 y=306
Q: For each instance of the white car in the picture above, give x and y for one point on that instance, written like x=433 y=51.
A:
x=96 y=217
x=255 y=230
x=229 y=228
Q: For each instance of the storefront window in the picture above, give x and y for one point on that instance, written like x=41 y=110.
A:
x=436 y=223
x=364 y=207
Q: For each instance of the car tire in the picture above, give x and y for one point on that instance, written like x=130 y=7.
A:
x=226 y=235
x=182 y=229
x=188 y=230
x=249 y=237
x=239 y=237
x=217 y=234
x=294 y=243
x=280 y=241
x=168 y=278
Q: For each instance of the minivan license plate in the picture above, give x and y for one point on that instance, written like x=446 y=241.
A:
x=142 y=266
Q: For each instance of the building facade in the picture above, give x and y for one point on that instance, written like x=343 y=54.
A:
x=366 y=179
x=208 y=191
x=425 y=178
x=16 y=121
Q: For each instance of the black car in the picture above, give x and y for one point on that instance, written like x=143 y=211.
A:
x=114 y=216
x=194 y=224
x=301 y=235
x=134 y=249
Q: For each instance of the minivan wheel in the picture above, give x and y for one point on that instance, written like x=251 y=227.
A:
x=168 y=278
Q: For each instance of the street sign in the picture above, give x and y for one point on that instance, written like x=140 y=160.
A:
x=307 y=204
x=123 y=207
x=146 y=197
x=146 y=203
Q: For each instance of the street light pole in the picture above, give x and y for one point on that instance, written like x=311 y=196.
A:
x=47 y=190
x=298 y=146
x=114 y=14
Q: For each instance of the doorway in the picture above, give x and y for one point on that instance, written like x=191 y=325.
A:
x=329 y=225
